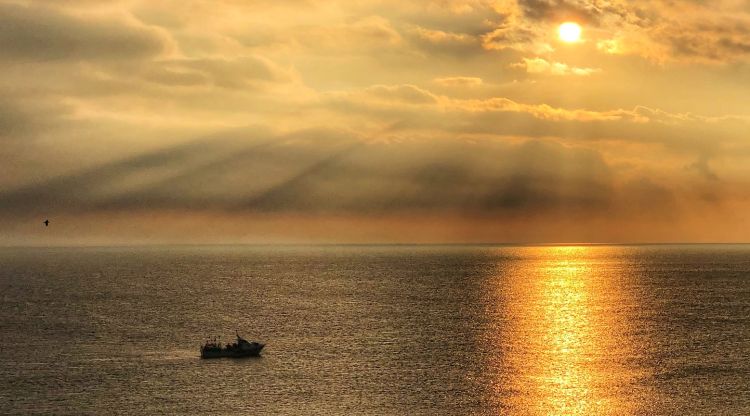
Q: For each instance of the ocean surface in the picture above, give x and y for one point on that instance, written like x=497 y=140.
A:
x=377 y=330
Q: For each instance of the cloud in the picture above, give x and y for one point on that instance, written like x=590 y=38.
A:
x=396 y=95
x=703 y=168
x=650 y=134
x=23 y=117
x=354 y=37
x=311 y=176
x=14 y=120
x=516 y=36
x=661 y=31
x=725 y=39
x=333 y=171
x=440 y=37
x=238 y=72
x=715 y=32
x=561 y=10
x=459 y=81
x=388 y=94
x=307 y=172
x=458 y=17
x=540 y=111
x=438 y=41
x=33 y=33
x=447 y=108
x=542 y=66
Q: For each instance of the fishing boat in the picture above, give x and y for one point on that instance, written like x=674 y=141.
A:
x=239 y=349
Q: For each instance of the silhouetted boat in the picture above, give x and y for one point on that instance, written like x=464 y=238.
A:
x=241 y=348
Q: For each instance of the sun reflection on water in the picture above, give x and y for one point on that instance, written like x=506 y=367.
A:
x=564 y=295
x=559 y=346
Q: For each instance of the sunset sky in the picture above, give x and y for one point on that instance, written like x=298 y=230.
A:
x=334 y=121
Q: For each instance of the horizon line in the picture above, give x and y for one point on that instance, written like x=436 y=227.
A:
x=373 y=244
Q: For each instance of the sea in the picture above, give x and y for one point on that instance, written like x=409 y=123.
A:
x=377 y=330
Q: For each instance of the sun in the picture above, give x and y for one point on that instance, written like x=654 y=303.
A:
x=569 y=32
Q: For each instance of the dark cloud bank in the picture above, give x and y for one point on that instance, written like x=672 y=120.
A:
x=319 y=172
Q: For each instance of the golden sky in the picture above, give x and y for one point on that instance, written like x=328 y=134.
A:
x=374 y=121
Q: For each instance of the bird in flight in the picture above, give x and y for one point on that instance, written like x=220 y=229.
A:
x=46 y=223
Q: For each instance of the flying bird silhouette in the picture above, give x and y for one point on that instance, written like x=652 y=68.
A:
x=46 y=223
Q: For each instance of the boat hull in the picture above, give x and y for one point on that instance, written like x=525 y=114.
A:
x=253 y=351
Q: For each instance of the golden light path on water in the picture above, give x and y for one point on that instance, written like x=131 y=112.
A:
x=561 y=341
x=566 y=299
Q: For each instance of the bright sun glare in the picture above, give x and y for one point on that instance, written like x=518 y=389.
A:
x=569 y=32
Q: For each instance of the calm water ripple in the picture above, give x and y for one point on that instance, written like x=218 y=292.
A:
x=395 y=330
